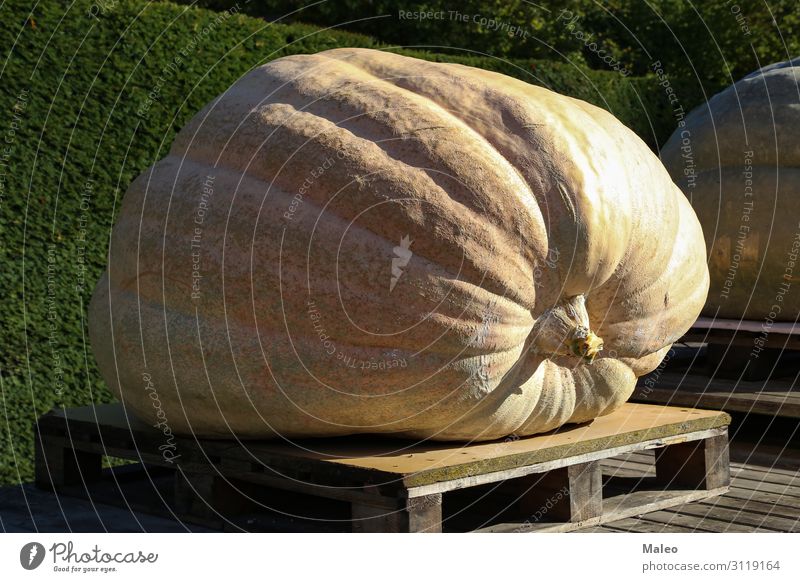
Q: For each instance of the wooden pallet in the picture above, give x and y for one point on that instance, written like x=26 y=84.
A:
x=781 y=334
x=684 y=380
x=746 y=350
x=549 y=482
x=773 y=398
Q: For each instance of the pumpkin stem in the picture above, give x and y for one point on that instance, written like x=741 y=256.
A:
x=564 y=331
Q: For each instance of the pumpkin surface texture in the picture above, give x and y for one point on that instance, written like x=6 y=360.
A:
x=361 y=242
x=738 y=161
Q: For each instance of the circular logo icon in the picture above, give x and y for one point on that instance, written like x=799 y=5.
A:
x=31 y=555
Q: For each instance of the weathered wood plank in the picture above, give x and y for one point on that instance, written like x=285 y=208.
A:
x=632 y=524
x=617 y=472
x=738 y=516
x=644 y=457
x=692 y=522
x=754 y=506
x=765 y=455
x=738 y=472
x=770 y=470
x=717 y=323
x=786 y=491
x=585 y=491
x=779 y=501
x=782 y=336
x=694 y=390
x=597 y=529
x=628 y=472
x=645 y=464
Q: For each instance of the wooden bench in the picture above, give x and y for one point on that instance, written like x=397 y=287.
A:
x=549 y=482
x=747 y=350
x=735 y=366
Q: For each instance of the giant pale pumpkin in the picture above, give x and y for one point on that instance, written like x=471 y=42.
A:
x=361 y=242
x=738 y=160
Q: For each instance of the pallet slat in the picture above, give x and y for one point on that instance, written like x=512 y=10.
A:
x=694 y=523
x=632 y=524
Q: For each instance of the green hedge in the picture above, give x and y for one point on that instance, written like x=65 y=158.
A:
x=708 y=45
x=72 y=141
